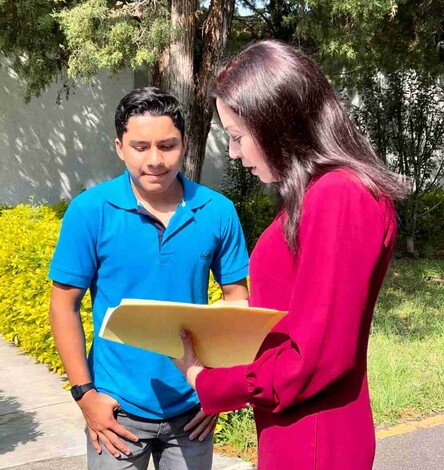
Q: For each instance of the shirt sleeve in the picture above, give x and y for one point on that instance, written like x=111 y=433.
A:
x=341 y=236
x=230 y=263
x=74 y=262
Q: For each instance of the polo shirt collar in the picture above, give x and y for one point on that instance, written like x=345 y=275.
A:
x=194 y=195
x=122 y=196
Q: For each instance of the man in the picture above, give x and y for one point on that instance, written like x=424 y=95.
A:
x=148 y=234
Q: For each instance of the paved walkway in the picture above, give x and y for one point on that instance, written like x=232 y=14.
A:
x=41 y=428
x=416 y=445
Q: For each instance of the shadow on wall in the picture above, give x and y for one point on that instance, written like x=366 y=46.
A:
x=50 y=151
x=16 y=426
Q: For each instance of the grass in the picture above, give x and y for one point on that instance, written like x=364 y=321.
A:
x=406 y=353
x=237 y=435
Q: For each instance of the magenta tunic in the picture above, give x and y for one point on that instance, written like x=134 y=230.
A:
x=308 y=384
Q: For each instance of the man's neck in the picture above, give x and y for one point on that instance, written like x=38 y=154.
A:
x=164 y=202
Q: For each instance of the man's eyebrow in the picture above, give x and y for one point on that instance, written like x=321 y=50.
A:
x=137 y=142
x=162 y=141
x=168 y=140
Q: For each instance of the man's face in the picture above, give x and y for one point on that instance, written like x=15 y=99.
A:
x=152 y=149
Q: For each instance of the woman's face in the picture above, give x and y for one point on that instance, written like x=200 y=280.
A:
x=242 y=144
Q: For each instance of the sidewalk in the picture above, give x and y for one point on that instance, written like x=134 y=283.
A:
x=41 y=428
x=412 y=446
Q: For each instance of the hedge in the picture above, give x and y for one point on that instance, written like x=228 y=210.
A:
x=29 y=235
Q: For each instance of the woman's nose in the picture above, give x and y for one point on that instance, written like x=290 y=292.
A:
x=233 y=150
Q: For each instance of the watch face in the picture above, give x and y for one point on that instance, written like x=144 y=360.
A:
x=76 y=392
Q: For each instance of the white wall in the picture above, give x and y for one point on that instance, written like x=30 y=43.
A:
x=216 y=157
x=50 y=151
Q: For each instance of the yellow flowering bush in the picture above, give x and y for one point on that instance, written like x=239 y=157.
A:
x=29 y=234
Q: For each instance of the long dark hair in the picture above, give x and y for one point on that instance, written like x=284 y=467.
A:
x=301 y=126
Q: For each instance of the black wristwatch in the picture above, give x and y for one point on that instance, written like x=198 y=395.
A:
x=77 y=391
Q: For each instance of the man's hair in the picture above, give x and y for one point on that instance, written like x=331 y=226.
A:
x=148 y=101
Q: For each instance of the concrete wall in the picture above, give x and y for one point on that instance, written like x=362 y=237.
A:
x=50 y=151
x=216 y=157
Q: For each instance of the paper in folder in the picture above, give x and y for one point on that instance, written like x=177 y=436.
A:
x=224 y=333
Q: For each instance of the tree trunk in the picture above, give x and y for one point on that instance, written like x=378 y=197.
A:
x=411 y=214
x=410 y=245
x=175 y=71
x=215 y=34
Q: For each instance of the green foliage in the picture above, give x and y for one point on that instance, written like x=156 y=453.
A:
x=402 y=113
x=33 y=40
x=113 y=35
x=410 y=304
x=29 y=234
x=44 y=38
x=60 y=208
x=4 y=207
x=238 y=430
x=351 y=37
x=342 y=29
x=214 y=290
x=429 y=238
x=430 y=230
x=255 y=208
x=48 y=39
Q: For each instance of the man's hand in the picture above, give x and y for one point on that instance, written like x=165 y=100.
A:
x=190 y=365
x=98 y=410
x=202 y=425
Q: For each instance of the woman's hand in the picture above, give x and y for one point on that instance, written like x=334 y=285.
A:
x=190 y=365
x=201 y=425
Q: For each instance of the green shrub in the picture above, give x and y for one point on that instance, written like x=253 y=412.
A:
x=255 y=207
x=237 y=429
x=429 y=239
x=60 y=208
x=430 y=234
x=29 y=234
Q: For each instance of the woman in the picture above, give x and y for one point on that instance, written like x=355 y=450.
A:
x=323 y=260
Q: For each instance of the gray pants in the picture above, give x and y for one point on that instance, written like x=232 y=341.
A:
x=166 y=441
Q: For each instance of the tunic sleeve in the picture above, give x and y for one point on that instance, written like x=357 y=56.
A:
x=341 y=237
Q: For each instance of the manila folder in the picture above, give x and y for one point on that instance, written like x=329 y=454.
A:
x=224 y=334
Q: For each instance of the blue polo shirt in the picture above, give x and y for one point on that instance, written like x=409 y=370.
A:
x=109 y=245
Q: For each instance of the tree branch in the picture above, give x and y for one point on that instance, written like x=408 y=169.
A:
x=431 y=209
x=258 y=12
